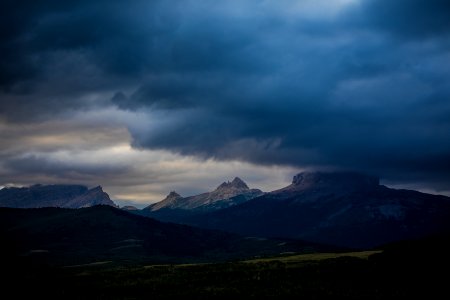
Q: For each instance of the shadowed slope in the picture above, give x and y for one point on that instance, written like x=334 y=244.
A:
x=104 y=233
x=69 y=196
x=346 y=209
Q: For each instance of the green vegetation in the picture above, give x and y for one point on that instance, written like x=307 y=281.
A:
x=105 y=253
x=355 y=275
x=315 y=257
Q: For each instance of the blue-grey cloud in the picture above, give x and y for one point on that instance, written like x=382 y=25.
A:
x=361 y=85
x=407 y=18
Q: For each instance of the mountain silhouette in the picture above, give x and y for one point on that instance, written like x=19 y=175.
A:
x=342 y=208
x=68 y=196
x=175 y=208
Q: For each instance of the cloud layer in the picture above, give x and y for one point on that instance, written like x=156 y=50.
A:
x=346 y=84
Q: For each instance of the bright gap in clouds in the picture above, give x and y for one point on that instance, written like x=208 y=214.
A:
x=93 y=150
x=141 y=177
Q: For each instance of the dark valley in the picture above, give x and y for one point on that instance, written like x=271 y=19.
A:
x=325 y=235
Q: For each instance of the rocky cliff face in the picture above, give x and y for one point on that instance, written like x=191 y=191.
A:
x=338 y=180
x=321 y=182
x=92 y=197
x=225 y=195
x=346 y=209
x=69 y=196
x=173 y=200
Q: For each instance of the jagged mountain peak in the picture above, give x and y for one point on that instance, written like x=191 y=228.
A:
x=171 y=200
x=223 y=185
x=225 y=195
x=94 y=196
x=342 y=208
x=56 y=195
x=237 y=183
x=173 y=195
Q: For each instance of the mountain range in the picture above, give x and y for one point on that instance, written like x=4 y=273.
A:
x=341 y=208
x=176 y=208
x=344 y=209
x=102 y=233
x=225 y=195
x=68 y=196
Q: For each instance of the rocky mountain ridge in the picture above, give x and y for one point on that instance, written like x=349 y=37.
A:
x=343 y=208
x=223 y=196
x=66 y=196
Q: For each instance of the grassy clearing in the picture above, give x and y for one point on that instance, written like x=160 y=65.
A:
x=314 y=257
x=293 y=258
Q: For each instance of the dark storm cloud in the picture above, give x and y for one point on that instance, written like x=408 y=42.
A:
x=85 y=42
x=361 y=86
x=409 y=18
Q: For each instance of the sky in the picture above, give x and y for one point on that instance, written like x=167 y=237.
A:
x=146 y=97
